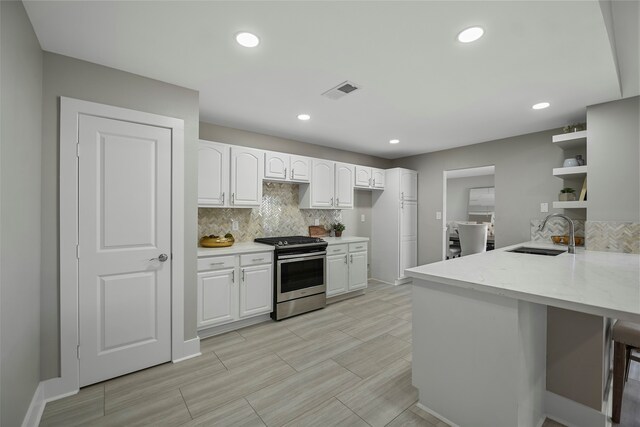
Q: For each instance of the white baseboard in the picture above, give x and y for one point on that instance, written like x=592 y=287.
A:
x=572 y=414
x=435 y=414
x=36 y=408
x=217 y=330
x=190 y=349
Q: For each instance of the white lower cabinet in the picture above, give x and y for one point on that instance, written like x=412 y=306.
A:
x=234 y=287
x=346 y=268
x=217 y=297
x=256 y=290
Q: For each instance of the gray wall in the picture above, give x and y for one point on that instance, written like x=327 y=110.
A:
x=64 y=76
x=226 y=135
x=523 y=179
x=20 y=156
x=458 y=195
x=613 y=145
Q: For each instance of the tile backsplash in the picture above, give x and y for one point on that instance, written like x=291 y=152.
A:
x=278 y=215
x=555 y=228
x=613 y=236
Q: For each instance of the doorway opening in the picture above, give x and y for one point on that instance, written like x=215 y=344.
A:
x=468 y=196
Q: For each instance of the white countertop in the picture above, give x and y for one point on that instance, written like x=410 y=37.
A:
x=344 y=239
x=600 y=283
x=237 y=248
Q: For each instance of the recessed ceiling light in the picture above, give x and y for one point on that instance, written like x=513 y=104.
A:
x=470 y=34
x=394 y=141
x=247 y=39
x=303 y=117
x=540 y=105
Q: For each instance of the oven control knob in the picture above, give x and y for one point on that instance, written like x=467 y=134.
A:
x=286 y=243
x=280 y=243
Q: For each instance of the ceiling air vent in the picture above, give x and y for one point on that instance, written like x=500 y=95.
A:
x=343 y=89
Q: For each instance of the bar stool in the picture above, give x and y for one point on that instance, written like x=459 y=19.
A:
x=626 y=337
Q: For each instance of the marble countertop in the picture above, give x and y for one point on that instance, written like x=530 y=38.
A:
x=345 y=239
x=237 y=248
x=600 y=283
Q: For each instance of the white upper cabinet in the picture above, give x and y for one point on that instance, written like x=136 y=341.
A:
x=247 y=170
x=287 y=167
x=408 y=185
x=370 y=178
x=300 y=169
x=322 y=183
x=363 y=177
x=213 y=174
x=377 y=178
x=344 y=185
x=276 y=166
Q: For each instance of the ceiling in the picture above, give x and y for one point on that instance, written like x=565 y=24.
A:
x=419 y=84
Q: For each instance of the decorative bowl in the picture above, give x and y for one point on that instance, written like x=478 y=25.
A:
x=216 y=242
x=564 y=240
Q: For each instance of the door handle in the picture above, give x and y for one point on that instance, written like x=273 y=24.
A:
x=233 y=198
x=351 y=257
x=233 y=276
x=374 y=182
x=243 y=274
x=337 y=201
x=223 y=197
x=285 y=173
x=291 y=173
x=332 y=201
x=345 y=259
x=161 y=258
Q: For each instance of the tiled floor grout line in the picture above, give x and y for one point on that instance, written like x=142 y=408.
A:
x=185 y=403
x=254 y=410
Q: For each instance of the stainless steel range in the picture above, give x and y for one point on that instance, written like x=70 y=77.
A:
x=299 y=275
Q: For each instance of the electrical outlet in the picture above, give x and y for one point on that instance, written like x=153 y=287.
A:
x=234 y=225
x=544 y=207
x=438 y=215
x=362 y=218
x=316 y=222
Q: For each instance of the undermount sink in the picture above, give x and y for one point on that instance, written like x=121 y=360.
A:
x=537 y=251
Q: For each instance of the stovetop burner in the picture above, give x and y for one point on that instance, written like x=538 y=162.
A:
x=289 y=240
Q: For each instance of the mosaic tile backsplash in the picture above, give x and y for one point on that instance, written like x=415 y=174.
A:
x=555 y=228
x=278 y=215
x=612 y=236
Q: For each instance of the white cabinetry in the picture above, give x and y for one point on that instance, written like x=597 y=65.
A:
x=346 y=268
x=286 y=167
x=319 y=194
x=394 y=219
x=247 y=169
x=344 y=186
x=213 y=174
x=234 y=287
x=370 y=178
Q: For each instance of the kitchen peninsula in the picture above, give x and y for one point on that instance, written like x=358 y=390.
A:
x=505 y=339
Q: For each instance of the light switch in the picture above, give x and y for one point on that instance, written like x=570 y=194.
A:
x=544 y=207
x=438 y=215
x=316 y=222
x=362 y=218
x=234 y=225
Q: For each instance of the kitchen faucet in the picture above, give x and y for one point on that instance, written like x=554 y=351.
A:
x=572 y=236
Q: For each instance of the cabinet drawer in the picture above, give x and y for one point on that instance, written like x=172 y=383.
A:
x=216 y=263
x=337 y=249
x=257 y=258
x=357 y=247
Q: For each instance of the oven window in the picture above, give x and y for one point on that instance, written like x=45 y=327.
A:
x=301 y=274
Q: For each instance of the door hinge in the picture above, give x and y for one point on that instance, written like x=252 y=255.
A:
x=78 y=351
x=77 y=149
x=78 y=251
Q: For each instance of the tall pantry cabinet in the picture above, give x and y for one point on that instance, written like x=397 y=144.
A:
x=394 y=226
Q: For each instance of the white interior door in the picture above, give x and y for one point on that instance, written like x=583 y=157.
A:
x=124 y=200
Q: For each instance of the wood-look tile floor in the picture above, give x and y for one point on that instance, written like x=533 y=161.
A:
x=346 y=365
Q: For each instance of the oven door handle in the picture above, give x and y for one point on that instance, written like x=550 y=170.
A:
x=301 y=257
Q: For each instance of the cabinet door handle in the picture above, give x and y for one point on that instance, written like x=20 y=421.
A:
x=243 y=274
x=369 y=182
x=332 y=201
x=285 y=173
x=258 y=259
x=345 y=259
x=374 y=182
x=351 y=258
x=233 y=198
x=337 y=250
x=223 y=197
x=233 y=276
x=217 y=263
x=337 y=201
x=402 y=195
x=291 y=173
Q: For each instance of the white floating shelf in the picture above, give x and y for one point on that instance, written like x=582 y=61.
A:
x=571 y=140
x=570 y=205
x=571 y=172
